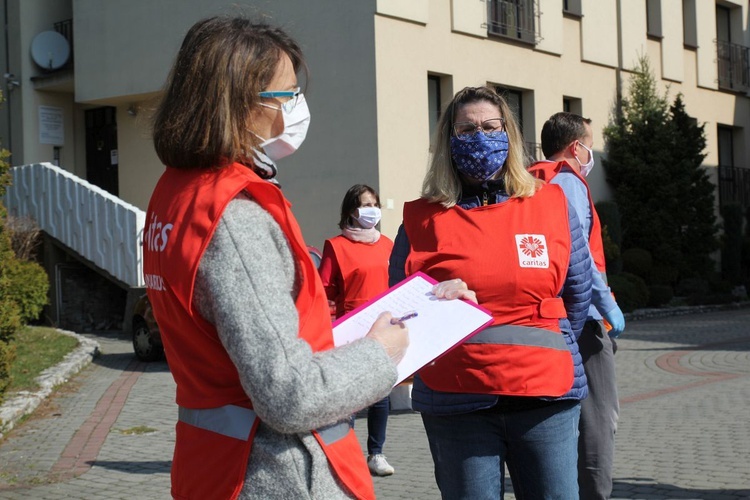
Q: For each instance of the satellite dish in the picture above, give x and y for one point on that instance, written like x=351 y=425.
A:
x=50 y=50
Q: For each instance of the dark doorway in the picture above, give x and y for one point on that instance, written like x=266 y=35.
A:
x=101 y=149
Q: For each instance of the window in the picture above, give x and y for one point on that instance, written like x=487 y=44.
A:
x=516 y=99
x=434 y=99
x=653 y=18
x=733 y=59
x=734 y=181
x=726 y=146
x=516 y=19
x=689 y=24
x=572 y=7
x=572 y=105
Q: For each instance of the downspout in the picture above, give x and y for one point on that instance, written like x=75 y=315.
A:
x=7 y=71
x=618 y=70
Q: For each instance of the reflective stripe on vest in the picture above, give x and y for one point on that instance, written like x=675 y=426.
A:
x=230 y=420
x=237 y=422
x=519 y=335
x=334 y=432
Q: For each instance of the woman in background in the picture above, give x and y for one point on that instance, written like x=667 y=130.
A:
x=354 y=269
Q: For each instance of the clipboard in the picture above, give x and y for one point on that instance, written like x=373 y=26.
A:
x=440 y=324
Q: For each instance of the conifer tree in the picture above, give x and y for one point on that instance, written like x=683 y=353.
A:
x=653 y=165
x=696 y=218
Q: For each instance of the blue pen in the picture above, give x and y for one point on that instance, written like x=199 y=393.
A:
x=409 y=315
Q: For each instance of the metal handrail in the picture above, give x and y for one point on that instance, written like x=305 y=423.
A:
x=98 y=226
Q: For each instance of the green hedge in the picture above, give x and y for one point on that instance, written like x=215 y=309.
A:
x=631 y=292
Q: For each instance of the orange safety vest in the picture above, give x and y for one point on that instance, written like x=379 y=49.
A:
x=546 y=171
x=216 y=422
x=515 y=256
x=364 y=270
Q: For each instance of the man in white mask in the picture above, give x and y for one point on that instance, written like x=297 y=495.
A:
x=567 y=143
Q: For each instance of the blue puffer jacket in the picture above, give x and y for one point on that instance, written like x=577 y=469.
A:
x=576 y=295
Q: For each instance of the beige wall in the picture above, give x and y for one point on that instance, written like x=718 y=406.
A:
x=581 y=63
x=368 y=91
x=27 y=19
x=139 y=167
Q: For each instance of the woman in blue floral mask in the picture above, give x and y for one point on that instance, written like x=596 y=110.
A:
x=510 y=395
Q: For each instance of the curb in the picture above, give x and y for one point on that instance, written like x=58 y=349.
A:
x=22 y=403
x=639 y=314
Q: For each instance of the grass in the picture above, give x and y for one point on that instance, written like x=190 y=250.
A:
x=37 y=348
x=140 y=429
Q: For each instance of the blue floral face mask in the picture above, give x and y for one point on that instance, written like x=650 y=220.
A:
x=481 y=156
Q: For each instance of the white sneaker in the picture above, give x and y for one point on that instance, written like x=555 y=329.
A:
x=379 y=466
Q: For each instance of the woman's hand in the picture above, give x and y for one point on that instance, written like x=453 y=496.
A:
x=394 y=338
x=454 y=289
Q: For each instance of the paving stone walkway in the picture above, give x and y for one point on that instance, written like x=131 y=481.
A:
x=684 y=428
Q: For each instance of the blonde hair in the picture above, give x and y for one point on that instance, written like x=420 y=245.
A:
x=442 y=183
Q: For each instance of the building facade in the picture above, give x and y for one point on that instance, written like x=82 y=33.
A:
x=380 y=73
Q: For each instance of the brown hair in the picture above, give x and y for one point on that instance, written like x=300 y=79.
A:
x=560 y=130
x=212 y=90
x=442 y=183
x=351 y=202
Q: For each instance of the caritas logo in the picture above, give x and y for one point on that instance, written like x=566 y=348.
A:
x=532 y=250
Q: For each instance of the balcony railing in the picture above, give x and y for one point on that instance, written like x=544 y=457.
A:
x=734 y=185
x=516 y=19
x=734 y=66
x=534 y=151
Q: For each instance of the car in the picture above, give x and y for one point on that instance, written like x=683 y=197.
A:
x=146 y=336
x=147 y=343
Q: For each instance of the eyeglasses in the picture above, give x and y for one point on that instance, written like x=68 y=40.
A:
x=492 y=128
x=291 y=95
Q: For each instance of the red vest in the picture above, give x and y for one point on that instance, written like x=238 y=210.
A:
x=183 y=212
x=364 y=270
x=515 y=256
x=546 y=171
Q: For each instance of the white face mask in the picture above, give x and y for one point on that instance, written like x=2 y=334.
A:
x=586 y=167
x=296 y=123
x=368 y=216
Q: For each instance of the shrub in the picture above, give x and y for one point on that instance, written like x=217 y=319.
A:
x=692 y=286
x=611 y=253
x=711 y=299
x=609 y=216
x=630 y=290
x=658 y=295
x=663 y=275
x=637 y=261
x=29 y=285
x=25 y=236
x=731 y=254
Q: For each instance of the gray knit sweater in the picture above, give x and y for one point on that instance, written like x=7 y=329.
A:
x=246 y=287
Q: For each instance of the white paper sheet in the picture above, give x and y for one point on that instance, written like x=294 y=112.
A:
x=439 y=325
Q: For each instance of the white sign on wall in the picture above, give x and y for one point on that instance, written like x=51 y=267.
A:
x=51 y=126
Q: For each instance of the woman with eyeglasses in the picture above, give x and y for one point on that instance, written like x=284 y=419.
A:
x=264 y=398
x=509 y=396
x=354 y=269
